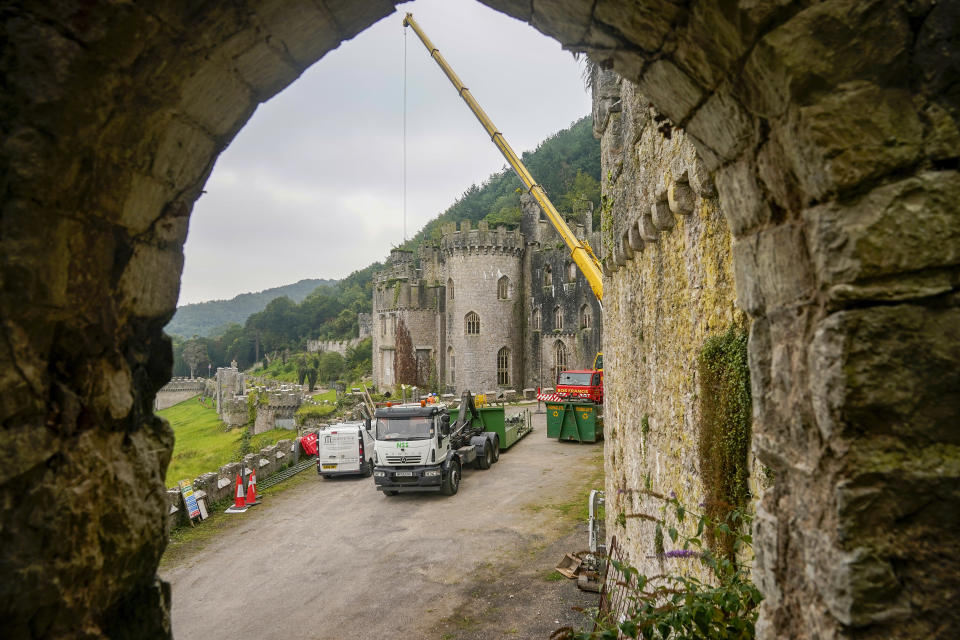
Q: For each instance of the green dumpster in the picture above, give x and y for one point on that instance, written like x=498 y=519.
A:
x=572 y=420
x=508 y=430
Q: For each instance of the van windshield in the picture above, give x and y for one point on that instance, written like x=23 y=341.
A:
x=578 y=379
x=408 y=428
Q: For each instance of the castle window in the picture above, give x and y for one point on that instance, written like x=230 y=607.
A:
x=571 y=272
x=558 y=318
x=450 y=288
x=472 y=322
x=586 y=317
x=547 y=276
x=503 y=285
x=383 y=326
x=559 y=359
x=536 y=319
x=451 y=366
x=503 y=367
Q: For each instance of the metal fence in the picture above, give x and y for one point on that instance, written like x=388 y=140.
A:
x=618 y=588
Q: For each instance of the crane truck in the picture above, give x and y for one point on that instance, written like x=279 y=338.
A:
x=416 y=448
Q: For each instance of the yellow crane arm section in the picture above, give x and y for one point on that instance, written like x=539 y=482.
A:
x=580 y=251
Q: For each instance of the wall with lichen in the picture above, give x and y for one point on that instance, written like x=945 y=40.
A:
x=667 y=250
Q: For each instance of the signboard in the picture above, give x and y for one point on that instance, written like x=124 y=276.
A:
x=186 y=490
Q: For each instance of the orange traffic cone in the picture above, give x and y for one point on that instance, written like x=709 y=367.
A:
x=238 y=502
x=252 y=490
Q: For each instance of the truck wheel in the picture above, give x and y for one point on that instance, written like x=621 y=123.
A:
x=452 y=482
x=496 y=449
x=486 y=459
x=368 y=469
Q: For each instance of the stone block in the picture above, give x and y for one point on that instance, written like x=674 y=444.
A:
x=217 y=99
x=772 y=269
x=673 y=91
x=681 y=198
x=909 y=225
x=888 y=370
x=661 y=215
x=744 y=204
x=264 y=69
x=648 y=230
x=529 y=393
x=722 y=124
x=634 y=238
x=183 y=155
x=305 y=33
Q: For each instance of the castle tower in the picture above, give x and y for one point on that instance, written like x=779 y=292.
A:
x=484 y=308
x=407 y=331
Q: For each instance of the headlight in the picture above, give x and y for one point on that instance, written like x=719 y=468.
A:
x=380 y=474
x=431 y=472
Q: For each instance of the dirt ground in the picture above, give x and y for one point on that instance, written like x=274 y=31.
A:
x=334 y=559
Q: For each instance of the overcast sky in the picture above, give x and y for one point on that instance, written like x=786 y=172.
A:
x=312 y=187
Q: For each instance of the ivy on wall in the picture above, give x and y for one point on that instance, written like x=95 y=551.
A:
x=724 y=429
x=404 y=359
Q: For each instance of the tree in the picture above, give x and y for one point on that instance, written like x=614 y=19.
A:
x=195 y=354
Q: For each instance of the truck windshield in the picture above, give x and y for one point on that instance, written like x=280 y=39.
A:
x=571 y=377
x=408 y=428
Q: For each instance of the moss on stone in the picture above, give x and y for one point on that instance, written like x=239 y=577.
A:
x=724 y=429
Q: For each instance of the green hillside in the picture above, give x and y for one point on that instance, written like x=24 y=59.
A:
x=211 y=318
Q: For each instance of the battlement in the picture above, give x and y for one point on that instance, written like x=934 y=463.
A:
x=482 y=239
x=183 y=384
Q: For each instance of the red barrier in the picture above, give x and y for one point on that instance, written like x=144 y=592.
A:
x=309 y=444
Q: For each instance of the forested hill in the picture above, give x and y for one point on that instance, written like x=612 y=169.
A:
x=211 y=318
x=566 y=165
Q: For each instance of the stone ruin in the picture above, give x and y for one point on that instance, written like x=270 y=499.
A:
x=178 y=390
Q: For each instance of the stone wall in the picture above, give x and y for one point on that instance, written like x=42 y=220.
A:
x=178 y=390
x=668 y=250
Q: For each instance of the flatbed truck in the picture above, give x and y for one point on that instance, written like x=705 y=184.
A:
x=425 y=447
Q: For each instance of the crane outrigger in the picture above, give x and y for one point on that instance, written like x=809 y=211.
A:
x=580 y=250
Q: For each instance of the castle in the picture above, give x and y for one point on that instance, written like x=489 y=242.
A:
x=486 y=310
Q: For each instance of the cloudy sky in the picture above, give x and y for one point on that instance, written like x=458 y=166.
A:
x=312 y=187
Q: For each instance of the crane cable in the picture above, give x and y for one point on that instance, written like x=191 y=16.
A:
x=404 y=134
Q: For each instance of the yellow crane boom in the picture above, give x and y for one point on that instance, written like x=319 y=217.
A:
x=580 y=250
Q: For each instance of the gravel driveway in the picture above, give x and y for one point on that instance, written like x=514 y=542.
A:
x=337 y=559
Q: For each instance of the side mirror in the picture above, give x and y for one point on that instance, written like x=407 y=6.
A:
x=368 y=425
x=444 y=425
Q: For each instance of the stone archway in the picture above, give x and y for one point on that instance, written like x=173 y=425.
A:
x=830 y=129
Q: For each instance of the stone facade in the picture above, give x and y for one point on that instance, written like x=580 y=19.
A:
x=469 y=306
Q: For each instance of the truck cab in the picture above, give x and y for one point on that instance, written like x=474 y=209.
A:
x=417 y=449
x=345 y=448
x=581 y=384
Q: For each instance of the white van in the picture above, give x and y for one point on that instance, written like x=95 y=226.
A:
x=345 y=448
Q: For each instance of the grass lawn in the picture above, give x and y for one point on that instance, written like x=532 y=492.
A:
x=202 y=443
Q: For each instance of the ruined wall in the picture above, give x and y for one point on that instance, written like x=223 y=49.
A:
x=178 y=390
x=668 y=249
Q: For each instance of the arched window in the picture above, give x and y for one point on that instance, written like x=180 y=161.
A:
x=586 y=317
x=571 y=271
x=503 y=288
x=503 y=367
x=559 y=359
x=536 y=319
x=450 y=288
x=547 y=276
x=472 y=324
x=451 y=366
x=558 y=318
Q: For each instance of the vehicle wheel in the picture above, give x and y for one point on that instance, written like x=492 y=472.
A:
x=325 y=476
x=496 y=449
x=452 y=482
x=368 y=469
x=390 y=493
x=486 y=459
